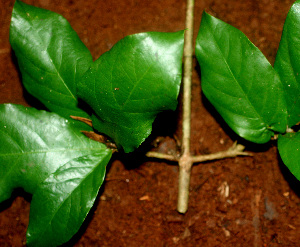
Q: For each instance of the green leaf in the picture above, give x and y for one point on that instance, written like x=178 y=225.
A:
x=62 y=201
x=130 y=84
x=35 y=144
x=44 y=154
x=287 y=63
x=239 y=81
x=51 y=58
x=289 y=150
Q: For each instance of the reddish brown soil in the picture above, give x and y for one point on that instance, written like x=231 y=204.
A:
x=137 y=204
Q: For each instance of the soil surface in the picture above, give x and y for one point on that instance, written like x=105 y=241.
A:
x=137 y=204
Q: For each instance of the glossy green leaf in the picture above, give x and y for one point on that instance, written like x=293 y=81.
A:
x=289 y=150
x=239 y=81
x=51 y=58
x=35 y=144
x=44 y=154
x=287 y=63
x=62 y=201
x=130 y=84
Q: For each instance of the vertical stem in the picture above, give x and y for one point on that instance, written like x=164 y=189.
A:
x=185 y=167
x=187 y=79
x=185 y=162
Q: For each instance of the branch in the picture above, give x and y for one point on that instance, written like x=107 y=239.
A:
x=187 y=78
x=163 y=156
x=185 y=162
x=233 y=151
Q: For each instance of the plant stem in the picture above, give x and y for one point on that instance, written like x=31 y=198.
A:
x=185 y=168
x=187 y=78
x=162 y=156
x=234 y=151
x=185 y=162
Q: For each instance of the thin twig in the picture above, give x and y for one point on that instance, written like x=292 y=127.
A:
x=185 y=162
x=187 y=78
x=233 y=151
x=163 y=156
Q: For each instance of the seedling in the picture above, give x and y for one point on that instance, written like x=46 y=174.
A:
x=47 y=155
